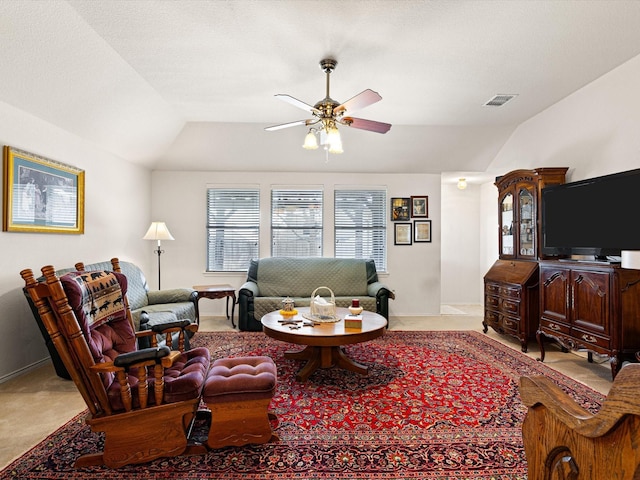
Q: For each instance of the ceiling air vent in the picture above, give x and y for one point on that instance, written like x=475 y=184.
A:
x=499 y=100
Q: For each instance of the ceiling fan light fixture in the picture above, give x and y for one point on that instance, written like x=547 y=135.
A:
x=336 y=147
x=334 y=140
x=327 y=113
x=310 y=141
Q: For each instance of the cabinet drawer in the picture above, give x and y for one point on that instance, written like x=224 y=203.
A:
x=492 y=289
x=511 y=292
x=510 y=307
x=491 y=302
x=552 y=326
x=510 y=324
x=491 y=318
x=588 y=338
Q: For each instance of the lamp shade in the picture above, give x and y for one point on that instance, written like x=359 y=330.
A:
x=630 y=259
x=310 y=141
x=158 y=231
x=334 y=139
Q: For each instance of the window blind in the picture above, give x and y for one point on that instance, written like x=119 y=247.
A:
x=233 y=228
x=361 y=225
x=296 y=223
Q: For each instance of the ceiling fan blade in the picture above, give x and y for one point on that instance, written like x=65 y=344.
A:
x=287 y=125
x=363 y=124
x=363 y=99
x=297 y=103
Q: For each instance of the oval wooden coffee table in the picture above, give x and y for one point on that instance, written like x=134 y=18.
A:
x=323 y=341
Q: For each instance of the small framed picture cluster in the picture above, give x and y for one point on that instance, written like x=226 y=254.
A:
x=403 y=210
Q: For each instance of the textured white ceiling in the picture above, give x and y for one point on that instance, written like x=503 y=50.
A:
x=156 y=82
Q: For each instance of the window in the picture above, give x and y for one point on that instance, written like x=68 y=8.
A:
x=361 y=225
x=296 y=223
x=233 y=228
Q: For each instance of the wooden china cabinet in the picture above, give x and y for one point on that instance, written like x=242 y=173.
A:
x=511 y=286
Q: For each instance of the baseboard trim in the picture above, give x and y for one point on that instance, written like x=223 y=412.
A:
x=23 y=370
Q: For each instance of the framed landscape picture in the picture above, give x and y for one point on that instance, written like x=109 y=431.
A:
x=419 y=206
x=41 y=195
x=422 y=231
x=402 y=234
x=400 y=209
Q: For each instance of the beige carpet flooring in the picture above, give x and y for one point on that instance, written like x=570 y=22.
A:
x=38 y=402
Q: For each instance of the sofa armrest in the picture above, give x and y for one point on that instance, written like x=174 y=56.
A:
x=377 y=289
x=382 y=295
x=246 y=321
x=174 y=295
x=249 y=289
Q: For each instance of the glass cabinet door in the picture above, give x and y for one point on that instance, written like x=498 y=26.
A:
x=506 y=223
x=527 y=223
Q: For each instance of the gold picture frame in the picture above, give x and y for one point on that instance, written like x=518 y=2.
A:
x=41 y=195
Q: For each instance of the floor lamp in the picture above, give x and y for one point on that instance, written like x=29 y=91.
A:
x=158 y=231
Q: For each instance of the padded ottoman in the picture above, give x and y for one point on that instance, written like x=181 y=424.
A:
x=238 y=392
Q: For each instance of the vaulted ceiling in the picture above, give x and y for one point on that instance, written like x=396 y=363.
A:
x=190 y=84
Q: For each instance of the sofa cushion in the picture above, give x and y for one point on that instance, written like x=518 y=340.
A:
x=138 y=287
x=181 y=311
x=299 y=277
x=96 y=300
x=264 y=305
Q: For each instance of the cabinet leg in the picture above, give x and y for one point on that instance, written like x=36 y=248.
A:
x=615 y=366
x=539 y=336
x=485 y=328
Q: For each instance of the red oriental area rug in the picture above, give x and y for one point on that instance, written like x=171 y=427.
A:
x=435 y=405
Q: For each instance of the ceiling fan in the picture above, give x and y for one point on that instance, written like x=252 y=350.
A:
x=328 y=113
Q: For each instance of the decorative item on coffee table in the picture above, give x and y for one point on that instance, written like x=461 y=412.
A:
x=354 y=319
x=288 y=309
x=321 y=310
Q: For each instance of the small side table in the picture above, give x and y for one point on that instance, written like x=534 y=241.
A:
x=219 y=291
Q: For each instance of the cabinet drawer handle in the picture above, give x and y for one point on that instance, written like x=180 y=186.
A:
x=589 y=338
x=555 y=327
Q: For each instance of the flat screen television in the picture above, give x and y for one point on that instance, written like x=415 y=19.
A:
x=598 y=216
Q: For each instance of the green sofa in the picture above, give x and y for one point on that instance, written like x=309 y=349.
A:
x=149 y=308
x=270 y=280
x=161 y=306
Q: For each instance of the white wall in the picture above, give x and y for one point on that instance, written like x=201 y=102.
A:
x=179 y=199
x=594 y=132
x=117 y=204
x=461 y=279
x=488 y=230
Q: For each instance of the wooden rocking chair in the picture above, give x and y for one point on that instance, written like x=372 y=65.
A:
x=564 y=441
x=143 y=400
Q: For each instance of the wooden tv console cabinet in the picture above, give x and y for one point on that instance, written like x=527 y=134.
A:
x=590 y=306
